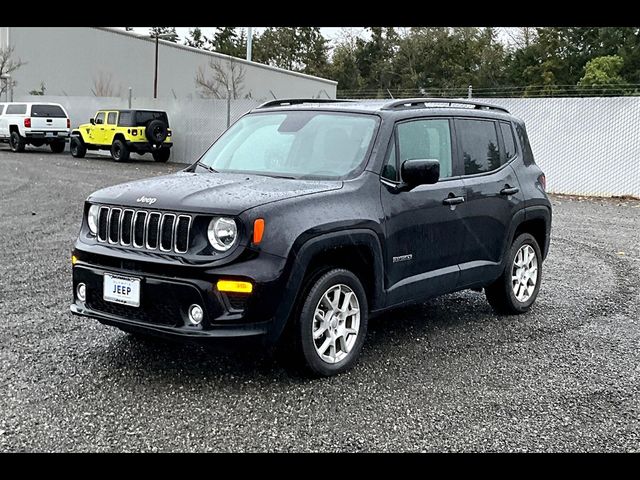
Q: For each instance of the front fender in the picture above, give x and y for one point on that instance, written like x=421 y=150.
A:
x=303 y=251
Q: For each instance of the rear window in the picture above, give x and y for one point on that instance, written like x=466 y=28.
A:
x=143 y=118
x=52 y=111
x=17 y=109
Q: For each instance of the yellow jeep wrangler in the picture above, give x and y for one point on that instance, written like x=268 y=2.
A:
x=123 y=132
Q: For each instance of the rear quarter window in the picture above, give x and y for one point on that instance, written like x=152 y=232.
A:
x=143 y=118
x=51 y=111
x=17 y=109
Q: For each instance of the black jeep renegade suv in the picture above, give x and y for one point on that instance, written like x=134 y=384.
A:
x=308 y=216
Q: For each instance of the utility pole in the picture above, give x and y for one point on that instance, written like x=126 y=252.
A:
x=155 y=76
x=249 y=42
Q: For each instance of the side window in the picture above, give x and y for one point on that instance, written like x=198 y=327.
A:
x=426 y=139
x=509 y=141
x=479 y=144
x=390 y=168
x=100 y=118
x=17 y=109
x=111 y=118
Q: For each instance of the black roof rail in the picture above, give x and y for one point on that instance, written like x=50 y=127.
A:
x=298 y=101
x=417 y=102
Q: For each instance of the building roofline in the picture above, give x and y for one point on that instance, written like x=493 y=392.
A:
x=215 y=54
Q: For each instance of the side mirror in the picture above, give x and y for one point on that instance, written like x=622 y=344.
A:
x=420 y=172
x=92 y=121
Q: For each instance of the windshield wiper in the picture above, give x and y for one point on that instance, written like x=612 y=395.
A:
x=204 y=165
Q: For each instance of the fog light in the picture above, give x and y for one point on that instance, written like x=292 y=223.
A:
x=195 y=314
x=81 y=291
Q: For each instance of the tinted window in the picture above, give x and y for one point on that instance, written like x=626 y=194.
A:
x=125 y=119
x=100 y=118
x=53 y=111
x=296 y=143
x=390 y=169
x=142 y=118
x=18 y=109
x=509 y=141
x=428 y=140
x=111 y=118
x=479 y=143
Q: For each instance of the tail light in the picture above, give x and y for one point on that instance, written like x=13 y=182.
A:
x=168 y=132
x=134 y=132
x=27 y=122
x=542 y=179
x=68 y=123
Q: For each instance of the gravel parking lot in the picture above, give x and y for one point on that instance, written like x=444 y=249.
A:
x=447 y=375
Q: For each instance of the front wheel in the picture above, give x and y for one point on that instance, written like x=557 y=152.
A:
x=77 y=147
x=119 y=151
x=332 y=325
x=57 y=146
x=161 y=155
x=517 y=288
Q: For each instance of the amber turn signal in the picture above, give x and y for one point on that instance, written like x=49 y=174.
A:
x=74 y=259
x=258 y=230
x=234 y=286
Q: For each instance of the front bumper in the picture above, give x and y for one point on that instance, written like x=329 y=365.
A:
x=165 y=299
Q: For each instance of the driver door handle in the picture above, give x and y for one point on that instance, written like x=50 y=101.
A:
x=453 y=200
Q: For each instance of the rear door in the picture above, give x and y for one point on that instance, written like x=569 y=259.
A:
x=492 y=195
x=47 y=118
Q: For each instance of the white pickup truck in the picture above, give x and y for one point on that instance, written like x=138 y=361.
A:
x=37 y=124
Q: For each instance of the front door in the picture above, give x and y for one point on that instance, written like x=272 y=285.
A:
x=424 y=232
x=98 y=132
x=110 y=127
x=492 y=195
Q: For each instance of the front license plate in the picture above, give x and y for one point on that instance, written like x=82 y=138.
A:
x=123 y=290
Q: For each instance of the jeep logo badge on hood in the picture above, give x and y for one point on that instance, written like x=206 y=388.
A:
x=149 y=200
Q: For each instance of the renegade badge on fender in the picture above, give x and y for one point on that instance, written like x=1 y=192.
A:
x=308 y=216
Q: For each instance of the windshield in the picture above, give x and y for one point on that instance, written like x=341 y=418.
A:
x=294 y=144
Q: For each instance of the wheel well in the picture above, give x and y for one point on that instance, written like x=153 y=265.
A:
x=14 y=128
x=535 y=227
x=357 y=259
x=119 y=136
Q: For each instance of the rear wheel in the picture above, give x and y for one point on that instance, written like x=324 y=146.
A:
x=161 y=155
x=16 y=142
x=57 y=146
x=332 y=325
x=77 y=147
x=119 y=151
x=517 y=288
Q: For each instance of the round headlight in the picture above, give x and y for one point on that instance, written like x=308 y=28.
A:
x=222 y=233
x=92 y=218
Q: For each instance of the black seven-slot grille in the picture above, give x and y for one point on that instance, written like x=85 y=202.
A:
x=145 y=229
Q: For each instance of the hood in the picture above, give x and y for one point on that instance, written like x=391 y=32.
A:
x=223 y=193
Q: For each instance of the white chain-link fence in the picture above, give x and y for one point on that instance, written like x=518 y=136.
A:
x=586 y=146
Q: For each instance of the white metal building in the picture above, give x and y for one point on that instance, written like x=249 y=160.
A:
x=84 y=61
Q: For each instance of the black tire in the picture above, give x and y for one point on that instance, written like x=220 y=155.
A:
x=305 y=345
x=77 y=147
x=500 y=293
x=119 y=151
x=16 y=142
x=156 y=131
x=57 y=146
x=161 y=155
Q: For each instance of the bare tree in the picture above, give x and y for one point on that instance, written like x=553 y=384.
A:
x=103 y=86
x=227 y=76
x=7 y=66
